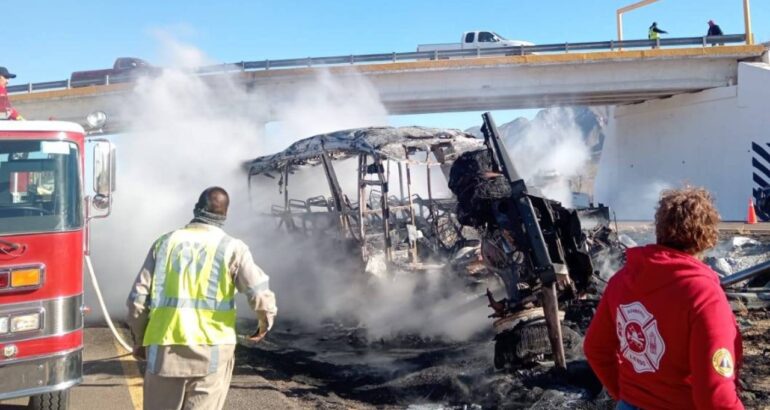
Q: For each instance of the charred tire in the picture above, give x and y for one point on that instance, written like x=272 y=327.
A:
x=526 y=343
x=760 y=281
x=58 y=400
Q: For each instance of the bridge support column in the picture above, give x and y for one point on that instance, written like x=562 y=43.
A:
x=717 y=138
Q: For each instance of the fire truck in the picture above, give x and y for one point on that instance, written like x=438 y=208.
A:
x=44 y=219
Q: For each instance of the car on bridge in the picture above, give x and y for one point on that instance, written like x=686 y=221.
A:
x=125 y=69
x=473 y=40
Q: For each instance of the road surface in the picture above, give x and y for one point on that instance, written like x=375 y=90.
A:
x=113 y=381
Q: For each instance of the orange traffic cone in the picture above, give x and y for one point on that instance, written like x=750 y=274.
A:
x=751 y=218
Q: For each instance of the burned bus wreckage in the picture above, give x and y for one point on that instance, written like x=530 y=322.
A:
x=492 y=227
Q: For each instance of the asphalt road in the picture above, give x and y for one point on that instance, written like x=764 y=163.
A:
x=113 y=381
x=108 y=372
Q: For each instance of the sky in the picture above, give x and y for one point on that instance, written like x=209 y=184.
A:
x=46 y=40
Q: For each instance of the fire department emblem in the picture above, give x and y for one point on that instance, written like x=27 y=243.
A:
x=640 y=341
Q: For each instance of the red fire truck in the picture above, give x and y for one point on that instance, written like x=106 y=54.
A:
x=44 y=217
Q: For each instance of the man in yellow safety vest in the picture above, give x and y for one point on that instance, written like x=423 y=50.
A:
x=654 y=32
x=182 y=309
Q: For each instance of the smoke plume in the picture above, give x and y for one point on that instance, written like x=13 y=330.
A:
x=551 y=152
x=189 y=132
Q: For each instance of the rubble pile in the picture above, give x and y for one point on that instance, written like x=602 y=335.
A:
x=385 y=228
x=755 y=373
x=341 y=367
x=408 y=370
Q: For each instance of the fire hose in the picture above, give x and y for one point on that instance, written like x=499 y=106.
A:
x=104 y=307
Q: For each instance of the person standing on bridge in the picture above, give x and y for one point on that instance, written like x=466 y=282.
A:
x=714 y=30
x=664 y=336
x=7 y=112
x=182 y=309
x=654 y=32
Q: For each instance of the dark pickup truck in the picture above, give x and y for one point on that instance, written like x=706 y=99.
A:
x=125 y=69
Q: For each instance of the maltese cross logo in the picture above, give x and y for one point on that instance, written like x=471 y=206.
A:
x=640 y=341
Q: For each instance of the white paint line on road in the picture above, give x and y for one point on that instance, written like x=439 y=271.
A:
x=133 y=377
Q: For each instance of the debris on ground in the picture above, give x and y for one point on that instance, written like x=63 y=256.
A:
x=386 y=232
x=338 y=366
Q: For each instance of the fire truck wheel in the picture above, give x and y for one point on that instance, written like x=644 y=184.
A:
x=58 y=400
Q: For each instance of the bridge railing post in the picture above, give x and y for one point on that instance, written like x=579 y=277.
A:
x=657 y=43
x=29 y=87
x=69 y=83
x=435 y=54
x=566 y=47
x=107 y=79
x=267 y=64
x=394 y=56
x=612 y=45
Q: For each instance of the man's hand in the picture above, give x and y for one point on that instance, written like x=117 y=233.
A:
x=139 y=353
x=258 y=335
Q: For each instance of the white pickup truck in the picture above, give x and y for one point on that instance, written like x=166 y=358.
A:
x=473 y=40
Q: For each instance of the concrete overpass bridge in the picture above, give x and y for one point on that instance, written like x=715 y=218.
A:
x=465 y=84
x=696 y=115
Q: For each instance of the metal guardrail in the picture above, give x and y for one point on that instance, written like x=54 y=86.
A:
x=396 y=57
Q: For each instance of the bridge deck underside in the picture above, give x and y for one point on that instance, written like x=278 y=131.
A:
x=531 y=81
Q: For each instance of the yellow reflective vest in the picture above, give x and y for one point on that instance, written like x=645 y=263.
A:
x=652 y=34
x=192 y=296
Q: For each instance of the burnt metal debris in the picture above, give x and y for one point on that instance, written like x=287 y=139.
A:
x=749 y=287
x=492 y=226
x=386 y=222
x=534 y=244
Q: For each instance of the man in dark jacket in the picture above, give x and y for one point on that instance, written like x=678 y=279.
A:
x=664 y=336
x=714 y=30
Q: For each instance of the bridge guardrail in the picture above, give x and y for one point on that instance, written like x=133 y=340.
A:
x=406 y=56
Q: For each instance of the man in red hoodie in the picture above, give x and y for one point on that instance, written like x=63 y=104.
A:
x=7 y=112
x=664 y=336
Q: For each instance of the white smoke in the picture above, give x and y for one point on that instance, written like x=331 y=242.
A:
x=177 y=54
x=550 y=152
x=329 y=105
x=190 y=132
x=639 y=202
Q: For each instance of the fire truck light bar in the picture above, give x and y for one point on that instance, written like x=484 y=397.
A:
x=3 y=325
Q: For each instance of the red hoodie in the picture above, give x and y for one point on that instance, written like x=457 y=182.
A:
x=5 y=106
x=664 y=336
